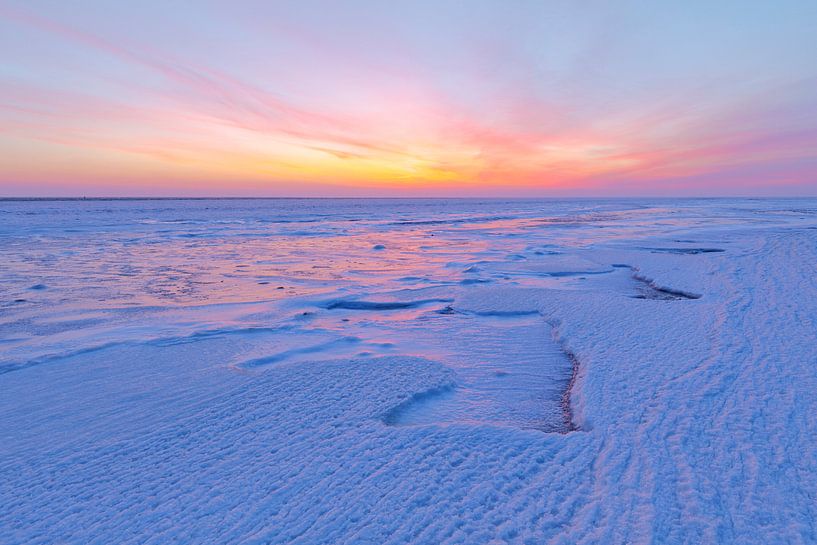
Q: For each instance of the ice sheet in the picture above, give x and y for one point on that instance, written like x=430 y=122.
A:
x=408 y=371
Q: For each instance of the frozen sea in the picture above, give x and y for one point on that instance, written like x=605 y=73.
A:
x=385 y=371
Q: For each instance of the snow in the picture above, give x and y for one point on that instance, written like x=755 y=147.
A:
x=534 y=372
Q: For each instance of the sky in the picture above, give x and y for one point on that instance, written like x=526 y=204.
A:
x=419 y=98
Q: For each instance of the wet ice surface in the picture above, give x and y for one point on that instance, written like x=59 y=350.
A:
x=306 y=280
x=322 y=279
x=545 y=371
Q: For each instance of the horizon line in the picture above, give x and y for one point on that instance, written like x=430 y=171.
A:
x=564 y=197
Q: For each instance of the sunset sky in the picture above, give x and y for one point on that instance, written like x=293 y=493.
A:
x=157 y=98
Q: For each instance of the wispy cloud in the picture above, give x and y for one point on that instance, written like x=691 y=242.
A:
x=489 y=114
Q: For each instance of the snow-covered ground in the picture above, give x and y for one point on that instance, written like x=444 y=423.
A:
x=408 y=371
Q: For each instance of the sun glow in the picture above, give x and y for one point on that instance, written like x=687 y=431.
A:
x=302 y=110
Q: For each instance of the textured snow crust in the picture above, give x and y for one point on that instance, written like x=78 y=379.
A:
x=545 y=373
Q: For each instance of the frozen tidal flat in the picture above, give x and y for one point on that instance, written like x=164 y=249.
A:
x=408 y=371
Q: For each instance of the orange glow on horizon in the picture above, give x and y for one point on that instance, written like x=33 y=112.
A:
x=111 y=114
